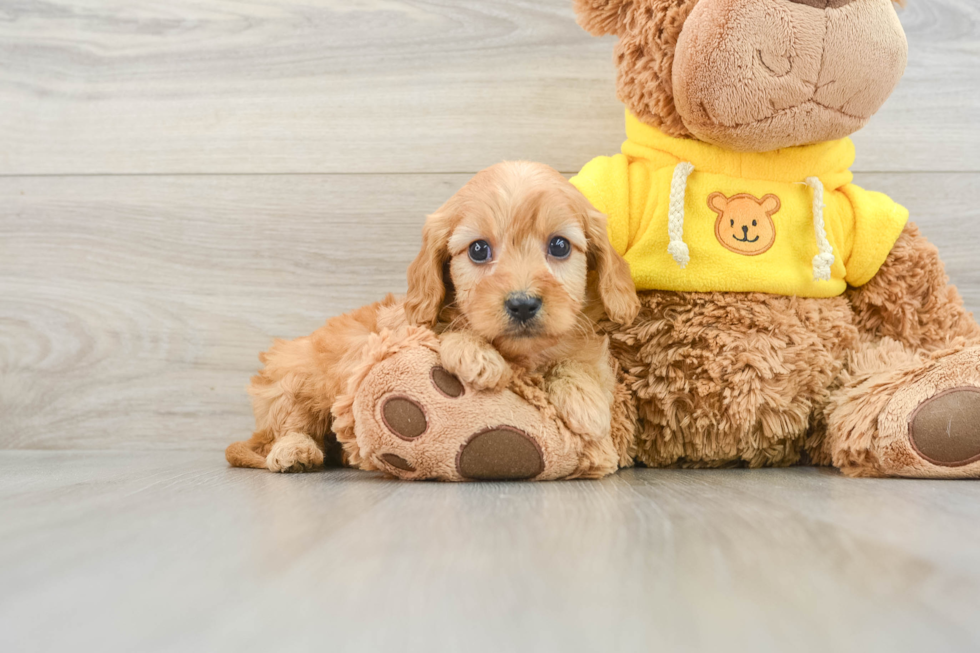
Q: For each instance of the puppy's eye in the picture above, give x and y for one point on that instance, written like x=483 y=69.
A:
x=480 y=251
x=559 y=247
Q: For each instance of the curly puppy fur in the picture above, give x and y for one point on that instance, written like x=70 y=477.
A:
x=518 y=209
x=293 y=393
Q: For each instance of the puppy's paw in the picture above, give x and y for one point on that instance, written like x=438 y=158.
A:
x=475 y=363
x=294 y=453
x=585 y=409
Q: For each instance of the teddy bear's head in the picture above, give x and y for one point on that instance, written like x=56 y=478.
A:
x=753 y=75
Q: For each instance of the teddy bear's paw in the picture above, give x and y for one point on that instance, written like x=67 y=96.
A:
x=499 y=453
x=415 y=420
x=294 y=452
x=931 y=426
x=495 y=453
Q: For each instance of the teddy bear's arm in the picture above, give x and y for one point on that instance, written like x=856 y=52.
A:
x=911 y=300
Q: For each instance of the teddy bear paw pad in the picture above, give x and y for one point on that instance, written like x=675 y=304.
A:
x=397 y=462
x=945 y=429
x=404 y=417
x=500 y=454
x=446 y=382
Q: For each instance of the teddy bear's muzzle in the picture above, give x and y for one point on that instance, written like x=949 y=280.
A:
x=758 y=75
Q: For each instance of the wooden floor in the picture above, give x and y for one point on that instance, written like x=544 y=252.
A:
x=172 y=552
x=182 y=181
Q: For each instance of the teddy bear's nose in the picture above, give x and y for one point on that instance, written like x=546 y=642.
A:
x=823 y=4
x=745 y=231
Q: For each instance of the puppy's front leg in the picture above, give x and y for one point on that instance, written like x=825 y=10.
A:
x=285 y=417
x=577 y=392
x=294 y=452
x=474 y=360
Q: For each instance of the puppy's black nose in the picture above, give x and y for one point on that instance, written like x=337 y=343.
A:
x=521 y=307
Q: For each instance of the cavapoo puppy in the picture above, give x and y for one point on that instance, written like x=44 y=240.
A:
x=514 y=268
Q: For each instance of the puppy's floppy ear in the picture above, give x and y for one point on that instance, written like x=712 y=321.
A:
x=601 y=17
x=426 y=289
x=613 y=278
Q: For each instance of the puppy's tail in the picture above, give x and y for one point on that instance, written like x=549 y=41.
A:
x=251 y=452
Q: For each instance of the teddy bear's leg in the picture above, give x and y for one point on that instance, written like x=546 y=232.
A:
x=909 y=402
x=408 y=416
x=905 y=413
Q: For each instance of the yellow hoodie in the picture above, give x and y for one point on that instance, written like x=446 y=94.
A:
x=688 y=216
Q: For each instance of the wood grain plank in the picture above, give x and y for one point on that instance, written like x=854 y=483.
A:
x=930 y=122
x=133 y=308
x=944 y=208
x=174 y=551
x=209 y=86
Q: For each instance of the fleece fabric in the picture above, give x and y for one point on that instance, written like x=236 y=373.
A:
x=750 y=221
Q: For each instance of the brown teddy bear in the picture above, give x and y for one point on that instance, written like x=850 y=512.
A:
x=787 y=314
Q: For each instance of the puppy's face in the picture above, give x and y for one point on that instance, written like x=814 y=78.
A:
x=520 y=242
x=519 y=264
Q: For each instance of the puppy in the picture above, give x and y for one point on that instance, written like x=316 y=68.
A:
x=514 y=268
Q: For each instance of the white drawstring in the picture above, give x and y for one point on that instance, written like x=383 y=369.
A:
x=823 y=261
x=675 y=214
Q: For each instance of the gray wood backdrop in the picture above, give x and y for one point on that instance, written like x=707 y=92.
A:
x=180 y=182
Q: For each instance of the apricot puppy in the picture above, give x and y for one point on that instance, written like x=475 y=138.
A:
x=530 y=267
x=514 y=268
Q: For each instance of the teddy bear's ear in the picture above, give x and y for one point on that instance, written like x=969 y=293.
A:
x=771 y=204
x=717 y=202
x=601 y=17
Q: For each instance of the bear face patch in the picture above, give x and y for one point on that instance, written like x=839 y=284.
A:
x=745 y=224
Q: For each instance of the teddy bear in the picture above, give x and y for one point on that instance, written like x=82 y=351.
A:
x=787 y=315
